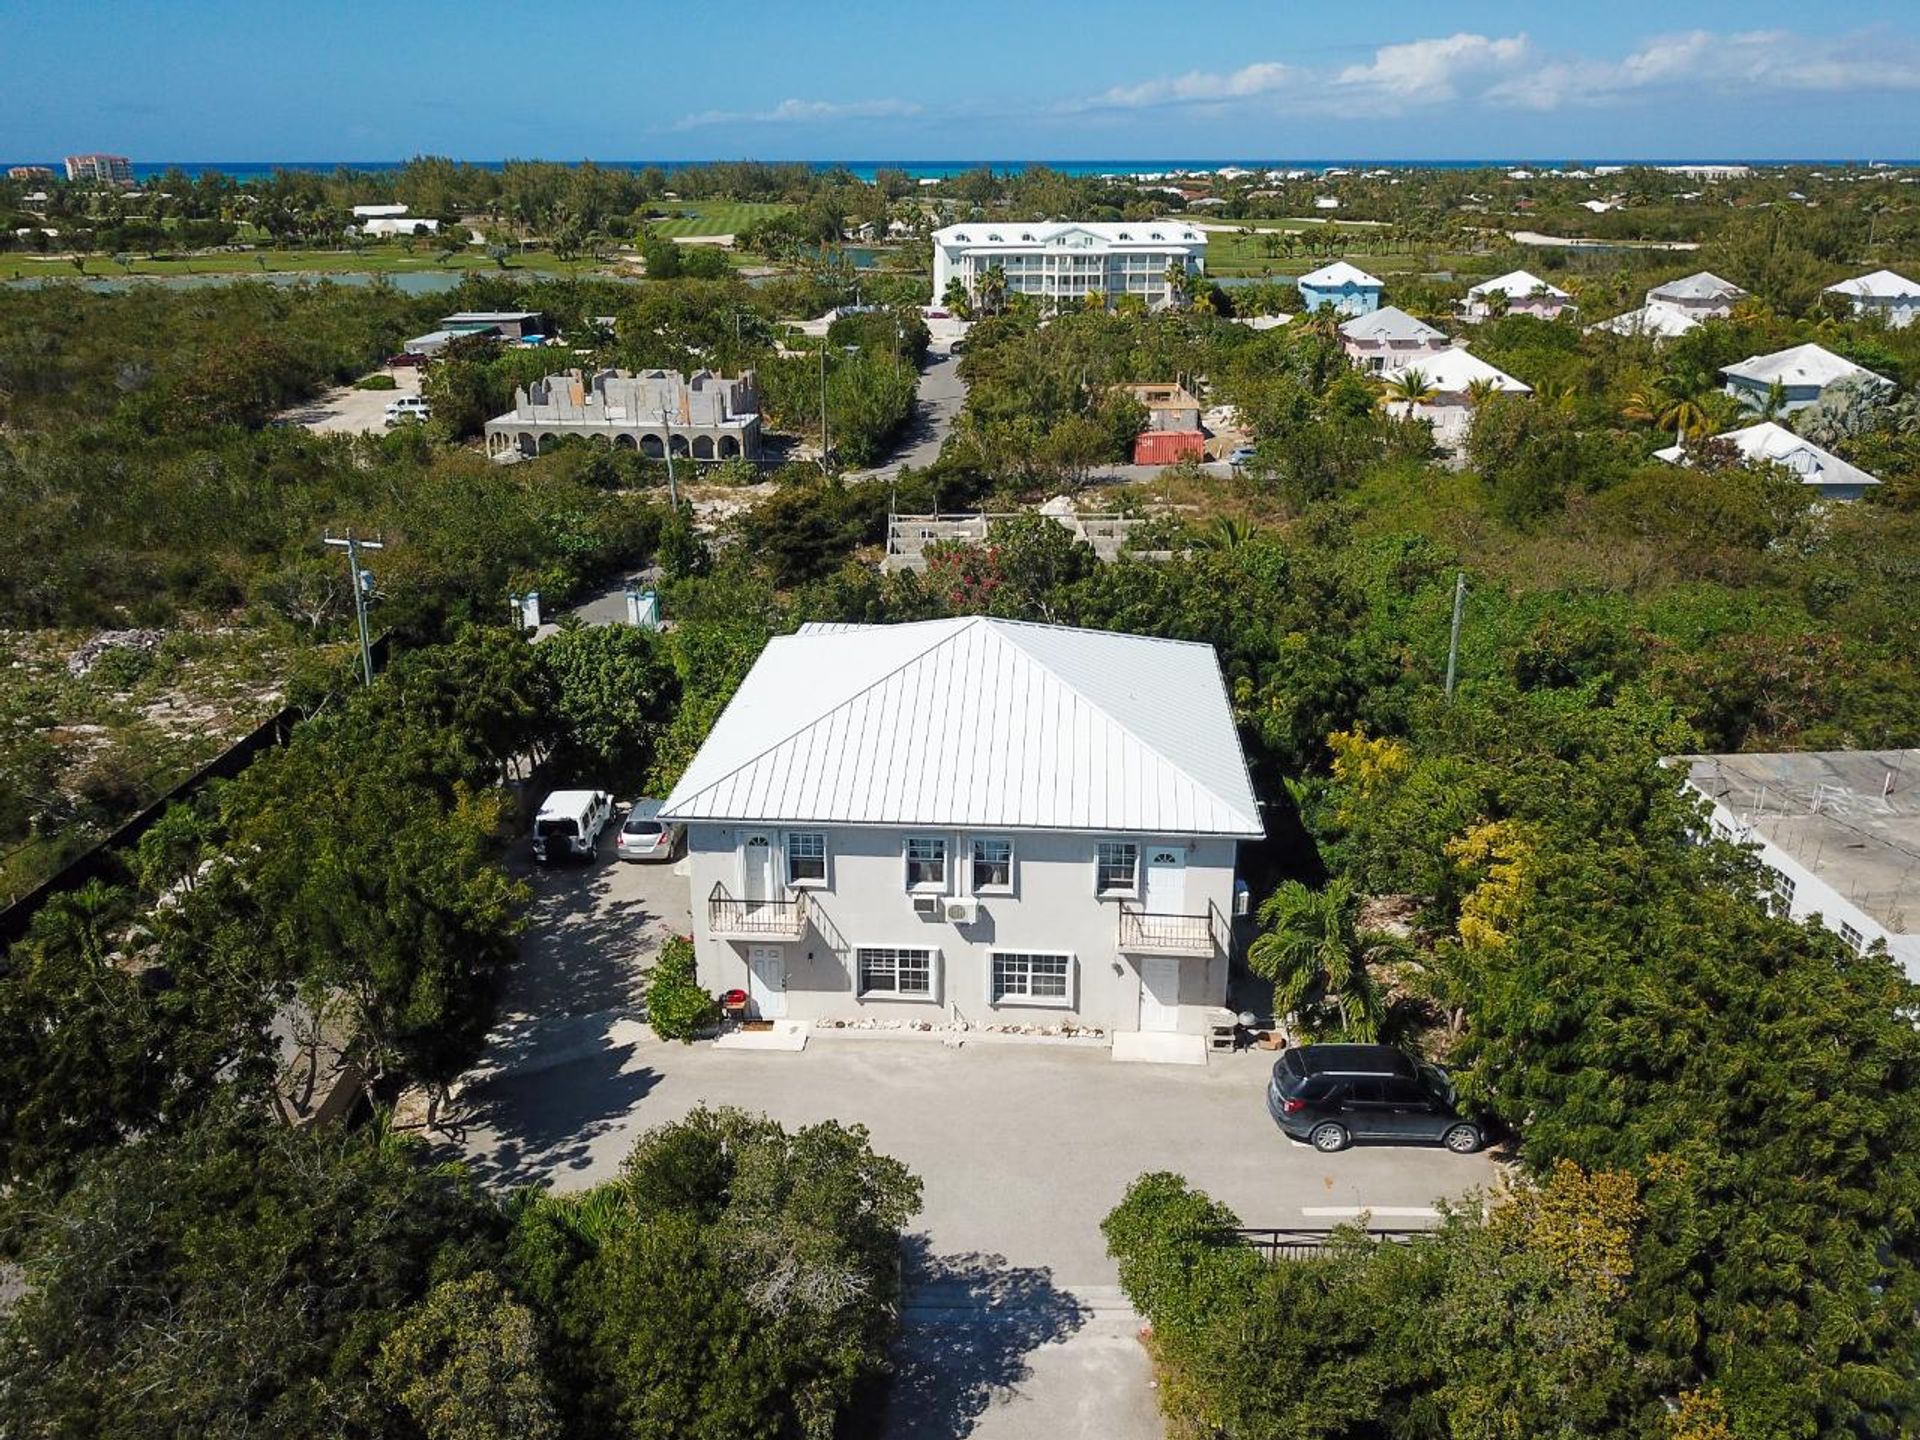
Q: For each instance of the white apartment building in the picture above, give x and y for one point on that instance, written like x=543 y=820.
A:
x=1837 y=832
x=972 y=822
x=1061 y=262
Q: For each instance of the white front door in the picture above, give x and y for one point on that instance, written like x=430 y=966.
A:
x=756 y=867
x=1166 y=880
x=767 y=980
x=1159 y=993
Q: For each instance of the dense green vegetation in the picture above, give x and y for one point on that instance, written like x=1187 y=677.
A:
x=735 y=1280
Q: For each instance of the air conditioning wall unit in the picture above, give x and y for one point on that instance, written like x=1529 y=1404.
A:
x=963 y=912
x=1242 y=899
x=926 y=904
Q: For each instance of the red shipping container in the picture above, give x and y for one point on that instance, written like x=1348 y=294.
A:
x=1163 y=447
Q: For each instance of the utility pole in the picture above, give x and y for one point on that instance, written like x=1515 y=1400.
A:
x=823 y=404
x=1453 y=644
x=361 y=580
x=673 y=490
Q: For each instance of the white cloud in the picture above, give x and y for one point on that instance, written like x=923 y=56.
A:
x=1429 y=70
x=1510 y=71
x=1196 y=87
x=1754 y=62
x=801 y=112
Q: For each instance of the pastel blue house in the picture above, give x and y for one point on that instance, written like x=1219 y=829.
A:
x=1802 y=374
x=1347 y=288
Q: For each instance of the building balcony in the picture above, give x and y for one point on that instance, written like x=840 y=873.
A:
x=1191 y=935
x=731 y=919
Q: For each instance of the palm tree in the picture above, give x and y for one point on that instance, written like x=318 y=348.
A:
x=1177 y=281
x=1318 y=958
x=1410 y=387
x=1479 y=392
x=1685 y=417
x=992 y=289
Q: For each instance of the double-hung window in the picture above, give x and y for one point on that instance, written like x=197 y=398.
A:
x=992 y=865
x=1117 y=870
x=1851 y=937
x=926 y=862
x=1026 y=978
x=888 y=971
x=806 y=857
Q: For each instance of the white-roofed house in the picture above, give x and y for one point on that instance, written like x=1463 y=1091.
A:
x=1658 y=322
x=1894 y=298
x=1520 y=292
x=1768 y=443
x=1346 y=288
x=1389 y=338
x=1802 y=373
x=971 y=820
x=1454 y=377
x=1701 y=295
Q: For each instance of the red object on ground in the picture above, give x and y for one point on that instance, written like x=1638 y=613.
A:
x=733 y=1000
x=1163 y=447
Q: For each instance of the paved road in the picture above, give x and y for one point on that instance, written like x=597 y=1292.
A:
x=940 y=396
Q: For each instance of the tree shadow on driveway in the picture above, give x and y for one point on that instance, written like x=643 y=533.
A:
x=529 y=1128
x=970 y=1321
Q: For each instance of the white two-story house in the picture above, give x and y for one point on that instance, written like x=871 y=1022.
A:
x=971 y=821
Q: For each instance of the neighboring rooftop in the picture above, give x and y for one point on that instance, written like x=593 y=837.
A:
x=1025 y=234
x=1852 y=817
x=1880 y=285
x=1702 y=285
x=977 y=722
x=1775 y=444
x=1451 y=371
x=1663 y=322
x=1516 y=285
x=1391 y=323
x=1331 y=277
x=1800 y=366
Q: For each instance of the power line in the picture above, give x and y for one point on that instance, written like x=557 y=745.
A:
x=362 y=582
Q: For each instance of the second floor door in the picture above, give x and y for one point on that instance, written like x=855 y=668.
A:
x=1166 y=873
x=756 y=867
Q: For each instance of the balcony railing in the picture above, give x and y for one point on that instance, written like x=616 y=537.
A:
x=1145 y=934
x=731 y=919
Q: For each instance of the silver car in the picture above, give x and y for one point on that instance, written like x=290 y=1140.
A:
x=645 y=836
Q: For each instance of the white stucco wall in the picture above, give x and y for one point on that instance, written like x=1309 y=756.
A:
x=1053 y=908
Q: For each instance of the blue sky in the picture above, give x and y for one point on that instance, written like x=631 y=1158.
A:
x=325 y=80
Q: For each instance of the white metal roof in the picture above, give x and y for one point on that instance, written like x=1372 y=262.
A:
x=1452 y=371
x=1339 y=273
x=1390 y=323
x=1880 y=285
x=1799 y=365
x=1516 y=285
x=1029 y=234
x=1663 y=321
x=1779 y=445
x=1702 y=285
x=977 y=722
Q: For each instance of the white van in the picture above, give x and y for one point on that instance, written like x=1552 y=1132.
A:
x=408 y=407
x=569 y=823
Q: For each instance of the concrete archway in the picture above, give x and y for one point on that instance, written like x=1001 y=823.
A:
x=679 y=444
x=651 y=447
x=624 y=442
x=547 y=442
x=526 y=443
x=703 y=447
x=729 y=447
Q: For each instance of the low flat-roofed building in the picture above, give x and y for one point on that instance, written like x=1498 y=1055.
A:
x=1168 y=406
x=1837 y=830
x=656 y=412
x=509 y=324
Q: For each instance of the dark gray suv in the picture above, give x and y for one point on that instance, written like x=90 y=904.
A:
x=1333 y=1095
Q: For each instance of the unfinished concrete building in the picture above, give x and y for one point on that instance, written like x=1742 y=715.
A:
x=656 y=412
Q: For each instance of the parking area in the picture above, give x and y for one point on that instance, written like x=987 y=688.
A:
x=1014 y=1324
x=347 y=411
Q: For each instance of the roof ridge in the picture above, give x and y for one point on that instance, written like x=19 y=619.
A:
x=1135 y=735
x=967 y=623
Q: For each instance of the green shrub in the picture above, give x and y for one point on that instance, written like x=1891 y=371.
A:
x=677 y=1008
x=376 y=382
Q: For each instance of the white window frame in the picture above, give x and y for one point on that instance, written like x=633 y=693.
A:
x=1107 y=892
x=974 y=887
x=825 y=857
x=1780 y=890
x=1851 y=937
x=998 y=999
x=862 y=991
x=907 y=862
